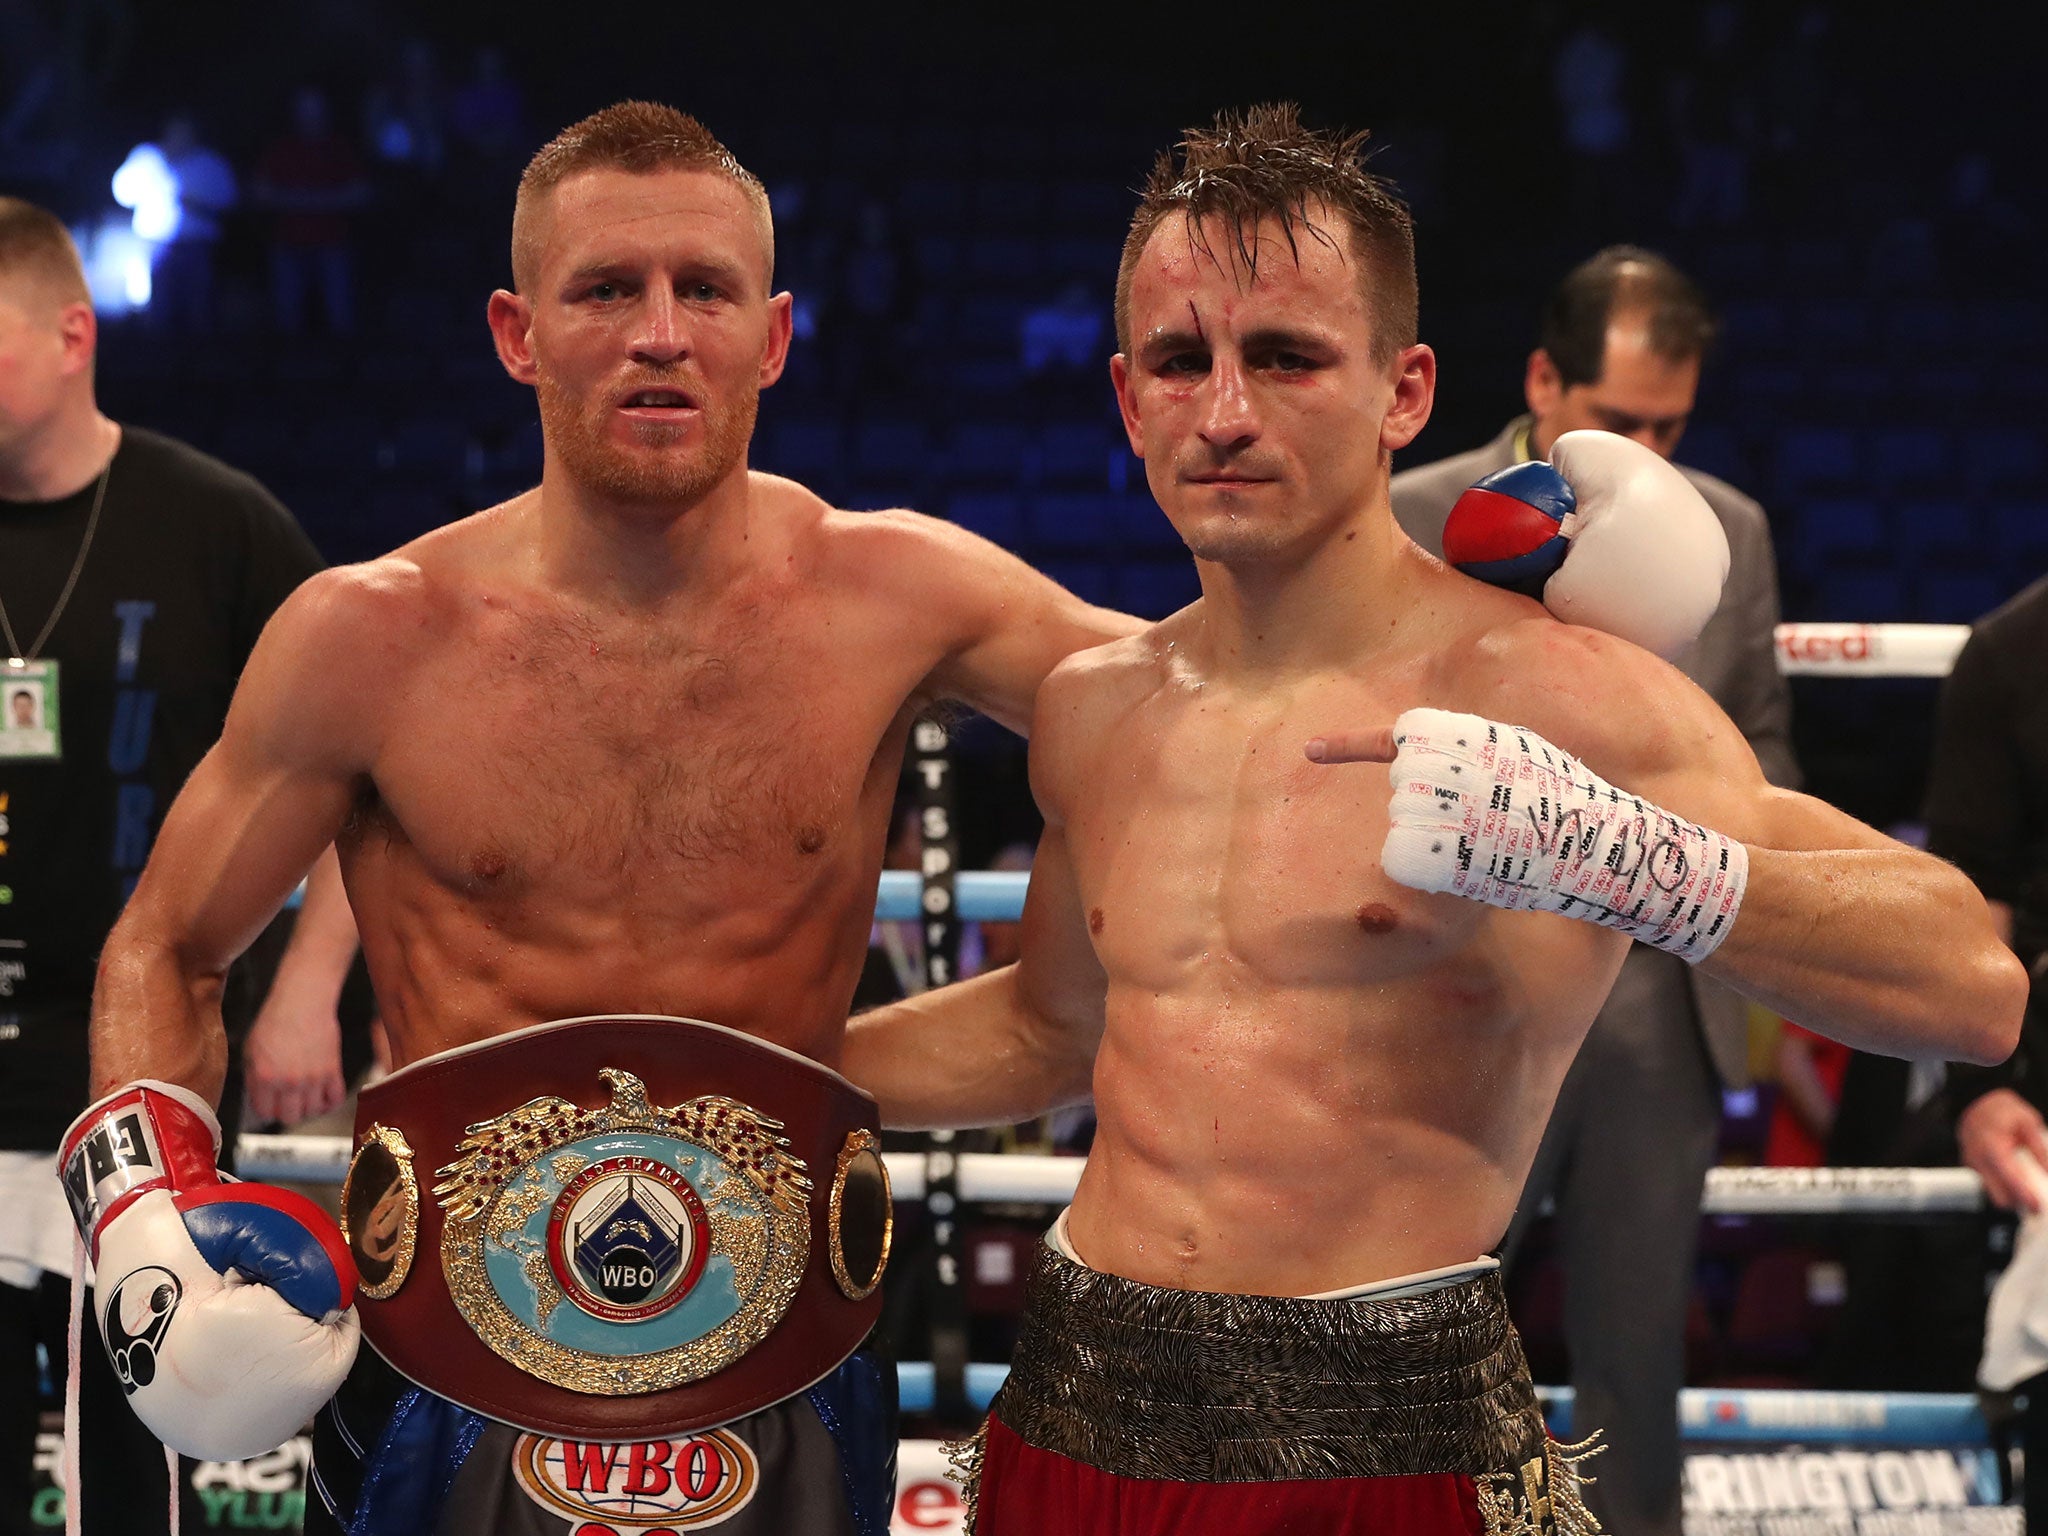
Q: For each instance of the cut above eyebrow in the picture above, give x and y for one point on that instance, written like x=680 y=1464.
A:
x=1160 y=343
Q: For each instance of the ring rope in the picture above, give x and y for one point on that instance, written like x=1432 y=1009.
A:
x=1869 y=650
x=1716 y=1414
x=1033 y=1179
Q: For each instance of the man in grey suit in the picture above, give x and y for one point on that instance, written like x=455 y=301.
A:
x=1635 y=1128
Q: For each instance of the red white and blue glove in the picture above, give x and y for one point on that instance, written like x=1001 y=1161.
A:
x=225 y=1306
x=1608 y=534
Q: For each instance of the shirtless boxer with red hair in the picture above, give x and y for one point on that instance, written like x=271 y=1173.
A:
x=623 y=745
x=1339 y=863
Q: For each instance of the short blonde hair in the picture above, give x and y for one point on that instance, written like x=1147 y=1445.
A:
x=36 y=248
x=635 y=136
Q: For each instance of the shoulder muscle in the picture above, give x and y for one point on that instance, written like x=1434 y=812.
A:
x=342 y=644
x=1085 y=698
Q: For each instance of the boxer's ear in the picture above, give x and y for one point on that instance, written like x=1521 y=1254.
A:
x=1126 y=401
x=781 y=325
x=78 y=327
x=511 y=320
x=1414 y=372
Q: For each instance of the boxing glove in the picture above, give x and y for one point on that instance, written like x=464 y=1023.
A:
x=1608 y=533
x=225 y=1306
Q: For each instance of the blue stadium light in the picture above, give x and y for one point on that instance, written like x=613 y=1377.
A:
x=147 y=185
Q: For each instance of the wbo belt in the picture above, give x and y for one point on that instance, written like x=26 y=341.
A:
x=617 y=1228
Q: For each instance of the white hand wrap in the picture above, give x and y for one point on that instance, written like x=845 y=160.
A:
x=1496 y=814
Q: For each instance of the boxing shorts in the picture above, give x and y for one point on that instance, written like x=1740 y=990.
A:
x=615 y=1276
x=1142 y=1411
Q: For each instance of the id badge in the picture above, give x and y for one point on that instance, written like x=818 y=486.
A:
x=29 y=716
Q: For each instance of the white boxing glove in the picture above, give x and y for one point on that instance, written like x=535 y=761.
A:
x=1496 y=814
x=225 y=1306
x=1649 y=557
x=1608 y=533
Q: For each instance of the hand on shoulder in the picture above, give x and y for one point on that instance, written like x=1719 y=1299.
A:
x=1608 y=534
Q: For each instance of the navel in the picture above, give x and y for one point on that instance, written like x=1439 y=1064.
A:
x=1376 y=917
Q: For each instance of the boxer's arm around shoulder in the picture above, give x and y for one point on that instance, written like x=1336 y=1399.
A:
x=1009 y=625
x=999 y=1048
x=1845 y=930
x=1018 y=1041
x=249 y=823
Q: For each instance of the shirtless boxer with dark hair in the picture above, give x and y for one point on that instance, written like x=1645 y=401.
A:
x=623 y=745
x=1323 y=1005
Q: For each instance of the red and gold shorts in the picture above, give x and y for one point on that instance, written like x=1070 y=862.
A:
x=1132 y=1410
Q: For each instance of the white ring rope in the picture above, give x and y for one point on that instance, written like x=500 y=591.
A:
x=1869 y=650
x=1035 y=1180
x=1766 y=1415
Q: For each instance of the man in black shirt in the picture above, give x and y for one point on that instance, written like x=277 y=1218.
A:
x=135 y=574
x=1987 y=805
x=1987 y=812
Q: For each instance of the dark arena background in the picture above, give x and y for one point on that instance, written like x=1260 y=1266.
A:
x=1858 y=188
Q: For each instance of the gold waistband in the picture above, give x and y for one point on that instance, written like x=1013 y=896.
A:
x=1197 y=1386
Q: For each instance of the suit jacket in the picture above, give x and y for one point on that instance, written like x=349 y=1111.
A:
x=1735 y=660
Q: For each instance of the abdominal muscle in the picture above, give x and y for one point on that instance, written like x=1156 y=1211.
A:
x=1283 y=1141
x=449 y=970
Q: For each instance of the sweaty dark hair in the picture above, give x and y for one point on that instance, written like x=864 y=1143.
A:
x=634 y=136
x=1630 y=280
x=1261 y=163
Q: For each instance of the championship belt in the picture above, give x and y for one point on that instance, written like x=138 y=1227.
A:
x=617 y=1228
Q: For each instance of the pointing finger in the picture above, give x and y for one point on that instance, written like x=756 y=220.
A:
x=1372 y=746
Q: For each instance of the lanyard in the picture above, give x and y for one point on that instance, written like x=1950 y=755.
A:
x=92 y=522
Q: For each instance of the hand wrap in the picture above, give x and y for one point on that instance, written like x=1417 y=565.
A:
x=1496 y=814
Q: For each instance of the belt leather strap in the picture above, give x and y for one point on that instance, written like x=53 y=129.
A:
x=617 y=1228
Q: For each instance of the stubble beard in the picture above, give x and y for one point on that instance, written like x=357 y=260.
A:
x=1256 y=534
x=575 y=435
x=1216 y=538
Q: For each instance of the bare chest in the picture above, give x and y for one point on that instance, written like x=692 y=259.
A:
x=1214 y=844
x=544 y=756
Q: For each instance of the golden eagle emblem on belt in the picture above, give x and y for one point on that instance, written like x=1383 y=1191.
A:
x=627 y=1248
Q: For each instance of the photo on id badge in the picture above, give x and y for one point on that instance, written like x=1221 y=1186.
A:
x=28 y=709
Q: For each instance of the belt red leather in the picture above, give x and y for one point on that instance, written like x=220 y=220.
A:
x=617 y=1228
